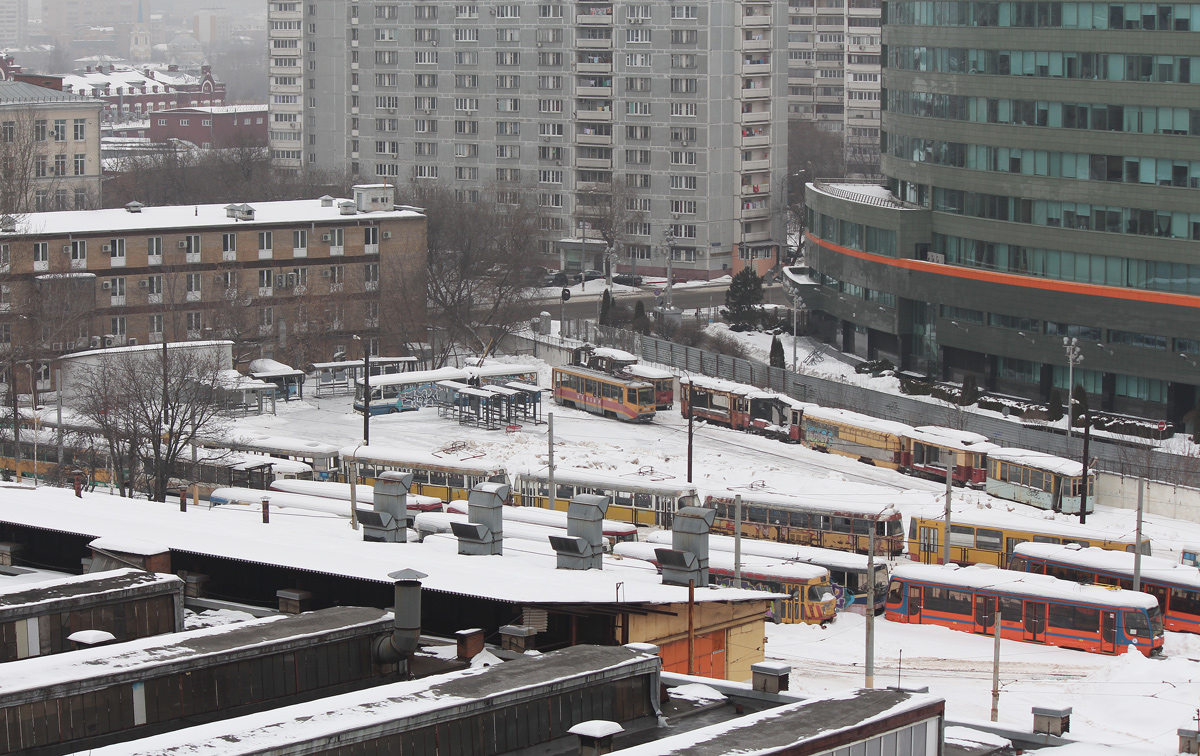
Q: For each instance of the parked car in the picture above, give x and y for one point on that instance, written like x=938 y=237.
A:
x=589 y=275
x=626 y=279
x=556 y=279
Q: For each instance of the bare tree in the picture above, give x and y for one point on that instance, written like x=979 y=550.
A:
x=152 y=403
x=609 y=209
x=812 y=154
x=481 y=266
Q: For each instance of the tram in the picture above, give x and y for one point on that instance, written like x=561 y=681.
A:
x=810 y=521
x=637 y=499
x=602 y=394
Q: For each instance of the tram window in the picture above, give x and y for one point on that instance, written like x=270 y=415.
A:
x=895 y=593
x=1018 y=564
x=645 y=501
x=1136 y=624
x=958 y=602
x=420 y=476
x=841 y=525
x=961 y=535
x=912 y=529
x=564 y=491
x=1083 y=618
x=860 y=527
x=820 y=522
x=623 y=498
x=991 y=540
x=496 y=478
x=1035 y=479
x=437 y=478
x=1062 y=572
x=778 y=517
x=1010 y=609
x=756 y=514
x=1045 y=539
x=815 y=592
x=1185 y=601
x=1159 y=592
x=799 y=519
x=895 y=527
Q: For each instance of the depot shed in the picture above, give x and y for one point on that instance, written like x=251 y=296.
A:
x=101 y=695
x=37 y=619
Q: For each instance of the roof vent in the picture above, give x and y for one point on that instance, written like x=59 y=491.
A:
x=347 y=208
x=231 y=211
x=389 y=520
x=582 y=548
x=687 y=560
x=483 y=533
x=8 y=224
x=134 y=207
x=326 y=201
x=244 y=212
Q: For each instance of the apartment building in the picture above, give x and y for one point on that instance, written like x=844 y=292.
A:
x=293 y=280
x=1042 y=170
x=50 y=149
x=834 y=73
x=677 y=110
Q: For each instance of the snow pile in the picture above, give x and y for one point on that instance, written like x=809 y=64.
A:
x=697 y=692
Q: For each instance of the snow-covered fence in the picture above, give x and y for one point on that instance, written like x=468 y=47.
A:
x=1159 y=498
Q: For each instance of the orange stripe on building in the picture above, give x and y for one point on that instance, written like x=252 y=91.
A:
x=1012 y=279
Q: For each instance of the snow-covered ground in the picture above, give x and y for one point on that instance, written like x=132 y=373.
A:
x=1128 y=702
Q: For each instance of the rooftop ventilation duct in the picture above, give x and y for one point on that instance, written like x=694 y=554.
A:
x=582 y=548
x=134 y=207
x=406 y=632
x=483 y=533
x=389 y=520
x=687 y=559
x=326 y=201
x=347 y=208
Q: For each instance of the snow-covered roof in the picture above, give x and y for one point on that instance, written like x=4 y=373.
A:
x=394 y=704
x=114 y=351
x=1038 y=460
x=958 y=441
x=868 y=194
x=704 y=383
x=772 y=550
x=1117 y=562
x=281 y=445
x=216 y=109
x=983 y=578
x=232 y=380
x=1012 y=516
x=869 y=503
x=550 y=518
x=237 y=533
x=614 y=354
x=417 y=376
x=586 y=477
x=650 y=373
x=343 y=364
x=120 y=221
x=364 y=494
x=13 y=596
x=414 y=458
x=21 y=93
x=123 y=544
x=723 y=560
x=832 y=415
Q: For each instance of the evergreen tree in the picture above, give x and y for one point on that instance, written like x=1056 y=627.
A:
x=1079 y=405
x=970 y=390
x=1054 y=407
x=640 y=322
x=744 y=297
x=777 y=357
x=606 y=304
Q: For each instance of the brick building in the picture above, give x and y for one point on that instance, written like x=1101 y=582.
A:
x=218 y=127
x=293 y=280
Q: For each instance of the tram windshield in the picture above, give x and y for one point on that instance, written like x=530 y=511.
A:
x=819 y=592
x=1156 y=622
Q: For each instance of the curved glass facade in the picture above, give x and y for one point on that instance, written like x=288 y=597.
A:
x=1033 y=194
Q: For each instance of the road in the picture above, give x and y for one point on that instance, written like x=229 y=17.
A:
x=587 y=306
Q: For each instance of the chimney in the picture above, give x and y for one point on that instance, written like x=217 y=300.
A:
x=483 y=533
x=687 y=560
x=1051 y=721
x=518 y=638
x=117 y=554
x=389 y=520
x=294 y=600
x=596 y=736
x=397 y=647
x=770 y=677
x=470 y=643
x=582 y=548
x=9 y=551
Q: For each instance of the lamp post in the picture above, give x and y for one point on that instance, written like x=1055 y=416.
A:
x=36 y=421
x=873 y=525
x=668 y=247
x=366 y=388
x=692 y=393
x=1074 y=357
x=354 y=484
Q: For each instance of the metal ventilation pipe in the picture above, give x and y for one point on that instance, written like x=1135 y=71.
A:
x=397 y=647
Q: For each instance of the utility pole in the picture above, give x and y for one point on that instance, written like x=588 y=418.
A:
x=949 y=488
x=869 y=682
x=737 y=541
x=551 y=492
x=996 y=662
x=1074 y=357
x=1137 y=540
x=1083 y=491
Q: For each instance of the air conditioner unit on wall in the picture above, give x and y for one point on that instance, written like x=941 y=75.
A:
x=181 y=244
x=387 y=234
x=144 y=284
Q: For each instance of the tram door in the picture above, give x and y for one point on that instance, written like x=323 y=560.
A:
x=914 y=603
x=985 y=614
x=1035 y=622
x=1108 y=632
x=929 y=545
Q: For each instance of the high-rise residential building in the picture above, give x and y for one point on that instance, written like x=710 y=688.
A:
x=677 y=111
x=14 y=22
x=1043 y=183
x=833 y=73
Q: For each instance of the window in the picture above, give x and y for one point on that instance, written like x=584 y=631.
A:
x=683 y=157
x=193 y=283
x=507 y=105
x=508 y=128
x=425 y=81
x=684 y=36
x=550 y=59
x=8 y=132
x=549 y=106
x=60 y=165
x=637 y=107
x=550 y=176
x=78 y=252
x=683 y=60
x=300 y=240
x=466 y=58
x=80 y=129
x=39 y=130
x=508 y=58
x=550 y=11
x=264 y=243
x=508 y=151
x=508 y=34
x=683 y=11
x=550 y=153
x=637 y=60
x=683 y=207
x=636 y=36
x=60 y=130
x=154 y=249
x=466 y=104
x=466 y=127
x=466 y=11
x=265 y=282
x=508 y=175
x=683 y=86
x=637 y=84
x=466 y=173
x=466 y=81
x=195 y=324
x=687 y=109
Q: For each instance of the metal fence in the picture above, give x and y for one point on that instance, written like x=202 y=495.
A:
x=1124 y=457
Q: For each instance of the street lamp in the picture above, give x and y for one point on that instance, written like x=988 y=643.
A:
x=1074 y=357
x=873 y=525
x=366 y=388
x=354 y=484
x=668 y=247
x=692 y=393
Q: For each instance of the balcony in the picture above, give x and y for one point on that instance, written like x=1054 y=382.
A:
x=602 y=116
x=757 y=236
x=756 y=93
x=593 y=91
x=370 y=249
x=593 y=163
x=759 y=42
x=335 y=287
x=371 y=286
x=229 y=255
x=337 y=251
x=755 y=141
x=756 y=165
x=39 y=265
x=753 y=213
x=600 y=68
x=193 y=296
x=758 y=116
x=758 y=19
x=597 y=139
x=150 y=260
x=595 y=19
x=749 y=190
x=191 y=257
x=300 y=252
x=116 y=300
x=155 y=337
x=154 y=298
x=593 y=44
x=265 y=254
x=79 y=264
x=755 y=68
x=266 y=291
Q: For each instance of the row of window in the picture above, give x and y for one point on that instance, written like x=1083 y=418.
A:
x=879 y=241
x=513 y=128
x=513 y=34
x=471 y=11
x=544 y=59
x=1076 y=215
x=228 y=280
x=1066 y=115
x=61 y=199
x=44 y=130
x=1045 y=64
x=861 y=292
x=43 y=168
x=1046 y=15
x=1083 y=267
x=1077 y=165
